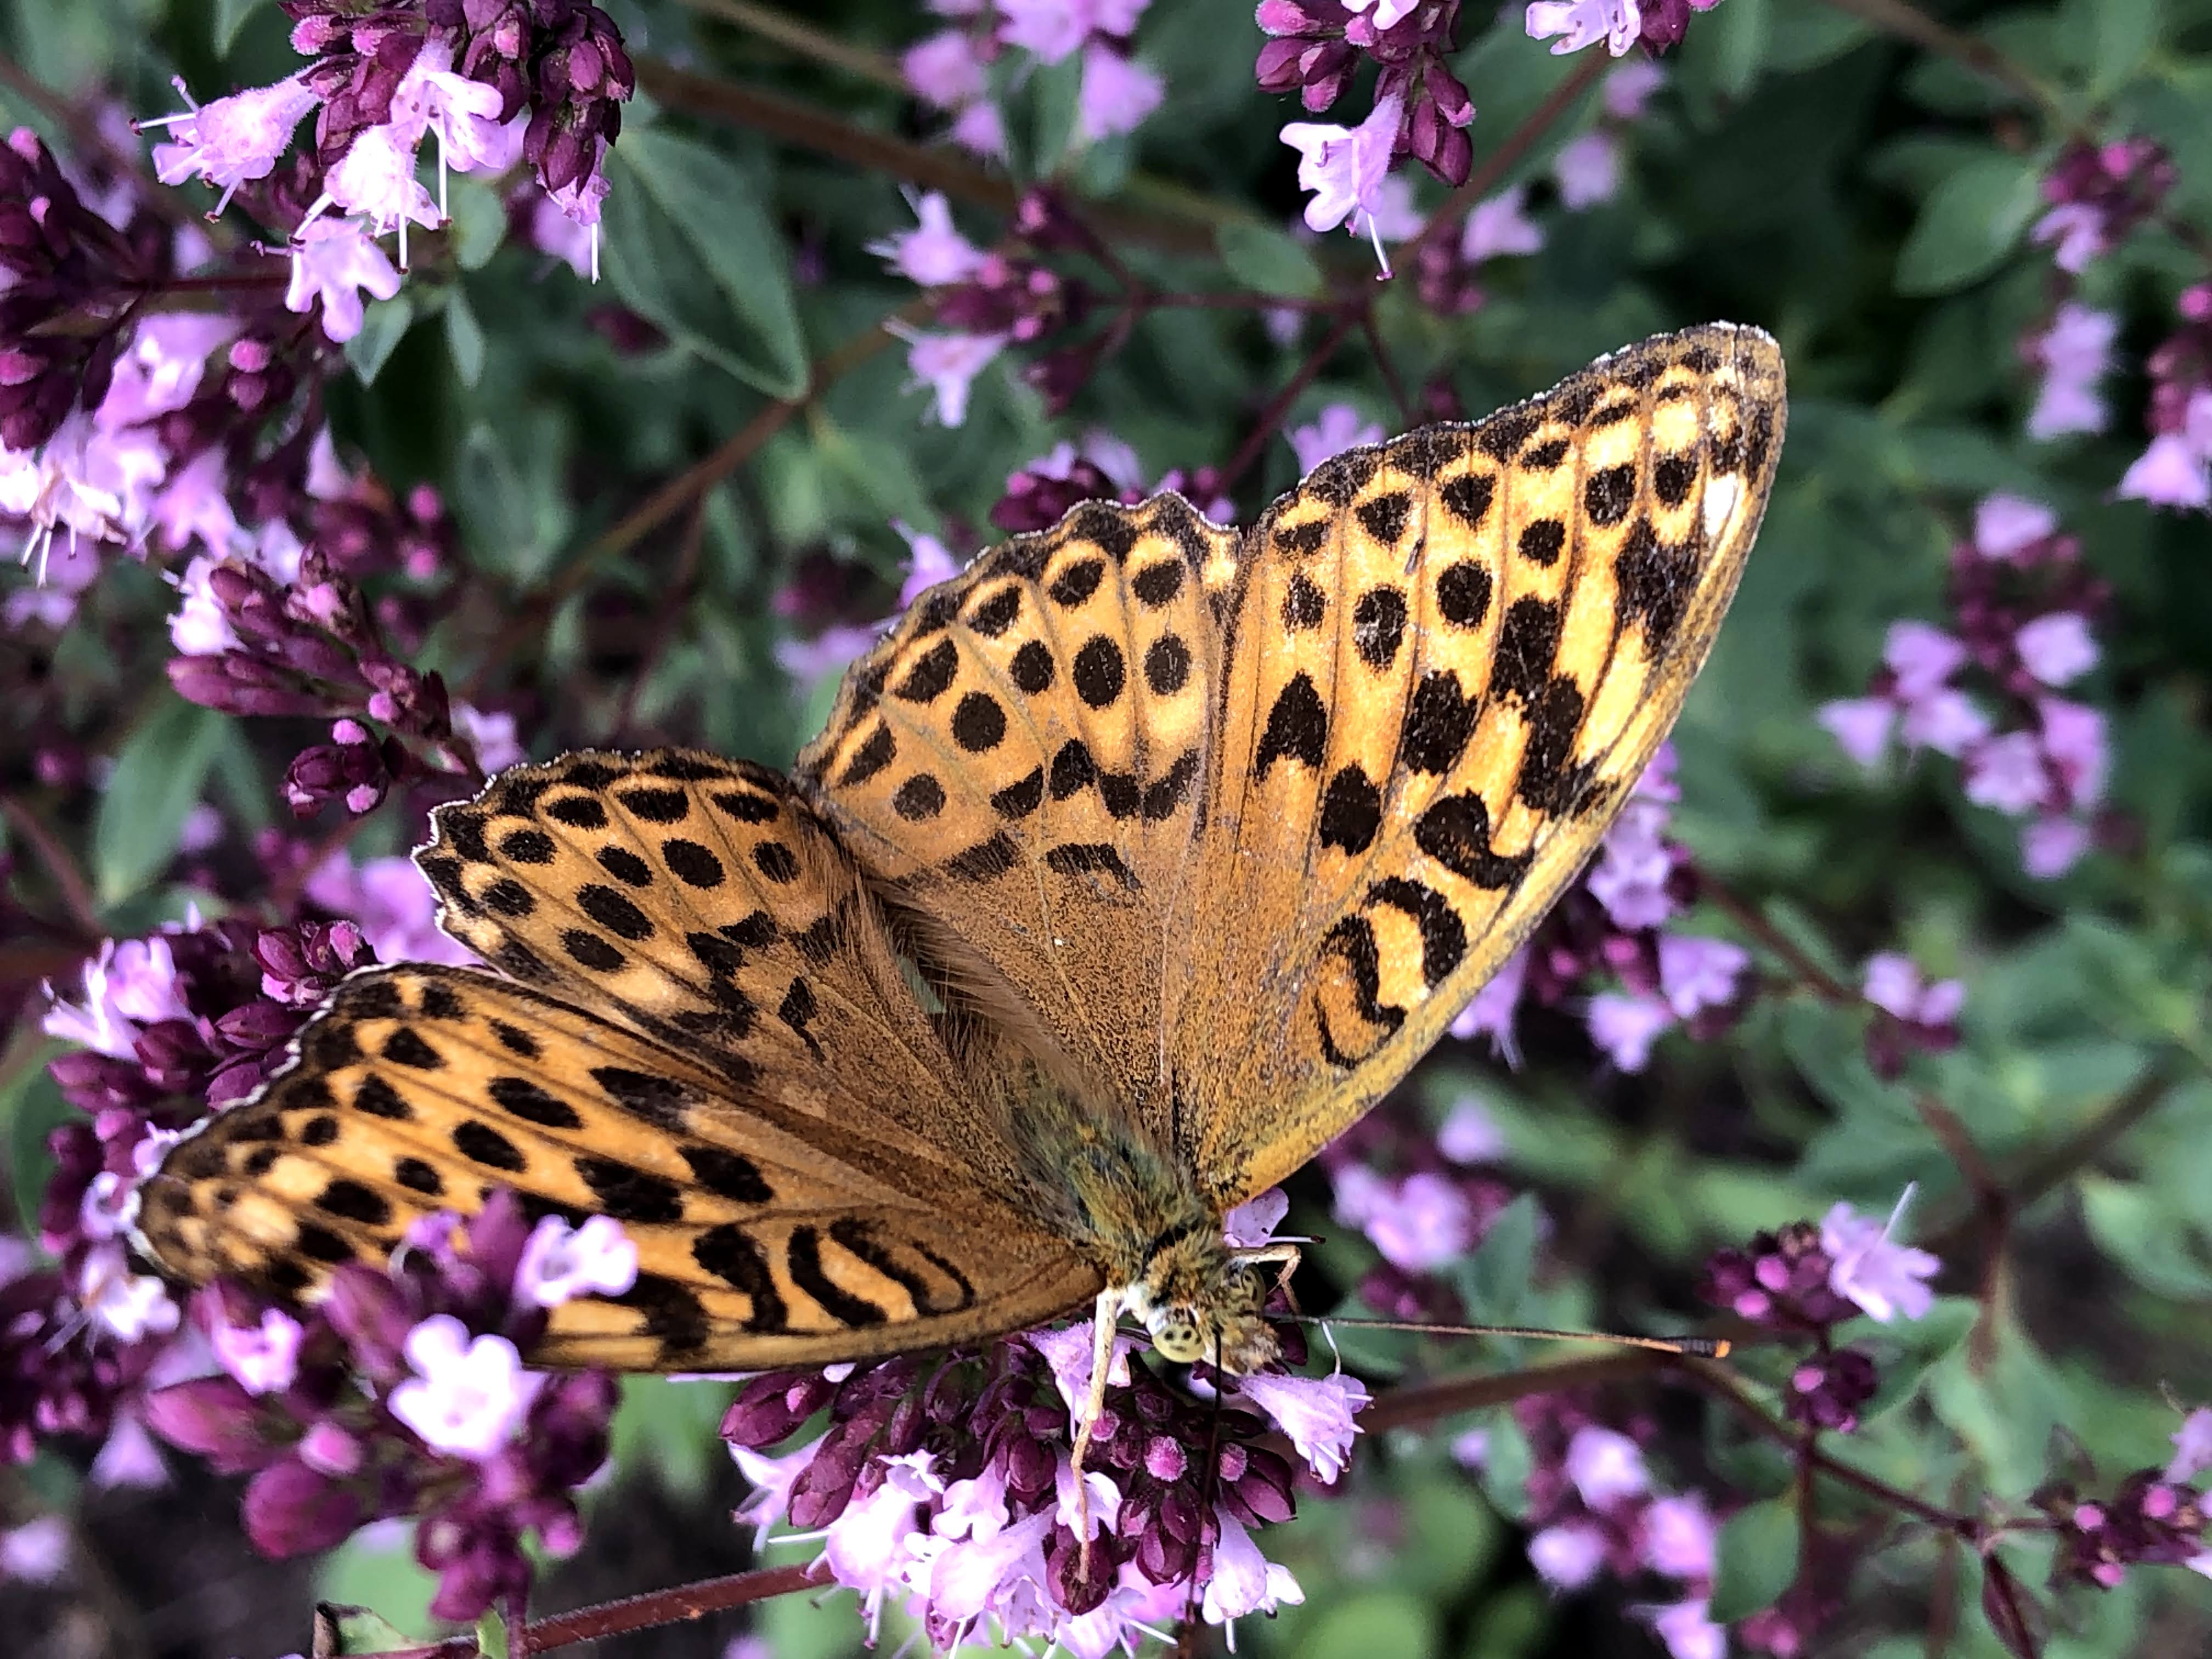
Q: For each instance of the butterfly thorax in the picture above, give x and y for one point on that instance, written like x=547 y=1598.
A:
x=1136 y=1210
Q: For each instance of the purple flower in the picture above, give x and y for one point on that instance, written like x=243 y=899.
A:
x=1893 y=983
x=1253 y=1223
x=870 y=1546
x=2074 y=351
x=1921 y=657
x=335 y=261
x=2007 y=525
x=2078 y=230
x=130 y=984
x=1335 y=429
x=929 y=561
x=1344 y=167
x=1630 y=878
x=490 y=734
x=1861 y=726
x=981 y=129
x=1947 y=721
x=1116 y=95
x=1499 y=225
x=1884 y=1277
x=1697 y=974
x=1579 y=23
x=375 y=178
x=36 y=1552
x=1052 y=29
x=264 y=1357
x=1588 y=170
x=831 y=652
x=235 y=139
x=2171 y=472
x=467 y=1396
x=2192 y=1447
x=2007 y=773
x=560 y=1263
x=948 y=365
x=933 y=254
x=1316 y=1412
x=1628 y=87
x=1419 y=1224
x=2074 y=739
x=2051 y=847
x=945 y=69
x=1489 y=1012
x=395 y=908
x=1243 y=1580
x=1626 y=1027
x=1567 y=1556
x=1679 y=1535
x=1605 y=1466
x=1469 y=1134
x=2056 y=648
x=1687 y=1631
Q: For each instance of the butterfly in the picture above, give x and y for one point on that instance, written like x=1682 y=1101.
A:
x=1136 y=863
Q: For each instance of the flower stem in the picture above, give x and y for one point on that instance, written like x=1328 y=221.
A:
x=670 y=1607
x=1271 y=418
x=804 y=40
x=69 y=880
x=1909 y=22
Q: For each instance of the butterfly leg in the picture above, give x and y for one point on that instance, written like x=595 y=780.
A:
x=1102 y=1357
x=1289 y=1255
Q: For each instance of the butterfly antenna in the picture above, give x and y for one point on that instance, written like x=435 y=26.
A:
x=1688 y=1347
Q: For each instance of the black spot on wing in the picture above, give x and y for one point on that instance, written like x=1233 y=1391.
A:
x=1297 y=727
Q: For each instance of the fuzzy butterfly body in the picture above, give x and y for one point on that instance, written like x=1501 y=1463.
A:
x=1133 y=865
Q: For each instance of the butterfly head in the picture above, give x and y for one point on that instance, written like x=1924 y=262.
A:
x=1201 y=1300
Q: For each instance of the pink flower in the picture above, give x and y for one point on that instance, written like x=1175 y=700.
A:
x=1687 y=1631
x=1498 y=226
x=2051 y=847
x=1892 y=982
x=491 y=735
x=944 y=70
x=130 y=1306
x=1604 y=1465
x=262 y=1358
x=2007 y=525
x=1678 y=1535
x=464 y=114
x=2078 y=230
x=396 y=908
x=948 y=365
x=1626 y=1027
x=870 y=1546
x=1947 y=721
x=929 y=561
x=1345 y=166
x=200 y=628
x=375 y=178
x=1628 y=87
x=1629 y=879
x=831 y=652
x=980 y=129
x=1568 y=1556
x=560 y=1263
x=333 y=260
x=933 y=254
x=2074 y=351
x=1316 y=1412
x=2170 y=473
x=2056 y=648
x=771 y=1480
x=235 y=139
x=1243 y=1580
x=1067 y=1352
x=1697 y=974
x=2007 y=773
x=1335 y=429
x=2074 y=739
x=2192 y=1447
x=1049 y=28
x=1579 y=23
x=1885 y=1279
x=1388 y=12
x=1861 y=726
x=1921 y=657
x=131 y=983
x=1116 y=95
x=162 y=369
x=1470 y=1135
x=1421 y=1223
x=36 y=1552
x=1588 y=170
x=1253 y=1223
x=467 y=1397
x=552 y=231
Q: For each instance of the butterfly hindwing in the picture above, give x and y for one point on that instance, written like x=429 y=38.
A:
x=1019 y=765
x=765 y=1236
x=1450 y=658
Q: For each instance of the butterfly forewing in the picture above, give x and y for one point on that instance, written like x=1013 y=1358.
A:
x=765 y=1236
x=1019 y=764
x=1449 y=659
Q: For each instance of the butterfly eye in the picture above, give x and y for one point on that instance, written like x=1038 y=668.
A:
x=1175 y=1335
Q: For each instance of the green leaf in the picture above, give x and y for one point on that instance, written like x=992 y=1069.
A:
x=1055 y=102
x=158 y=777
x=1498 y=1271
x=358 y=1575
x=2120 y=34
x=228 y=17
x=382 y=326
x=687 y=244
x=1968 y=224
x=1364 y=1625
x=477 y=224
x=1268 y=261
x=491 y=1635
x=1754 y=1560
x=32 y=1109
x=464 y=338
x=672 y=1426
x=341 y=1629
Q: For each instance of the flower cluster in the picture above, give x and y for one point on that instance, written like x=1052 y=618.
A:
x=1422 y=108
x=404 y=1394
x=1804 y=1280
x=1656 y=25
x=2176 y=470
x=2098 y=193
x=1614 y=922
x=947 y=1488
x=2023 y=603
x=1593 y=1508
x=949 y=70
